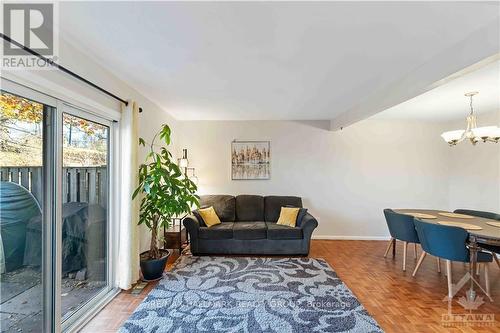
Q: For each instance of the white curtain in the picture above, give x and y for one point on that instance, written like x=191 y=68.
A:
x=128 y=239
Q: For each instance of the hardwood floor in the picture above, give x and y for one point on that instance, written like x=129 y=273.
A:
x=399 y=302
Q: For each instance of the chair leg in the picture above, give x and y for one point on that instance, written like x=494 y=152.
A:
x=448 y=274
x=419 y=262
x=439 y=265
x=405 y=247
x=391 y=243
x=415 y=251
x=487 y=277
x=394 y=248
x=496 y=259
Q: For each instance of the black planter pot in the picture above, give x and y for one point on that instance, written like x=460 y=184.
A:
x=153 y=269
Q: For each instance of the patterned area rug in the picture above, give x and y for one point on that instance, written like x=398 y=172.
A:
x=237 y=294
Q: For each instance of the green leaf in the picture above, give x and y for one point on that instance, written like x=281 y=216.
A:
x=136 y=192
x=142 y=142
x=165 y=134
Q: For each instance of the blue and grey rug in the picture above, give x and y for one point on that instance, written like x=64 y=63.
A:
x=221 y=294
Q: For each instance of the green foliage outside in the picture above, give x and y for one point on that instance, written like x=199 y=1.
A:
x=85 y=142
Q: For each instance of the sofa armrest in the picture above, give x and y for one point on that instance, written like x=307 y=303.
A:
x=192 y=226
x=309 y=223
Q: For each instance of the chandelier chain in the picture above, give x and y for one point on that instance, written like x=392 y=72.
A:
x=471 y=107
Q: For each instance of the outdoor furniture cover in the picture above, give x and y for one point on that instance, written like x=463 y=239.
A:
x=17 y=207
x=79 y=221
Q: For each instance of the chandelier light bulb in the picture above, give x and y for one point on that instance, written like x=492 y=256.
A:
x=484 y=132
x=495 y=134
x=452 y=137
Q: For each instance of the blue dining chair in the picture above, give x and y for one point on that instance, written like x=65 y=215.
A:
x=478 y=213
x=401 y=228
x=449 y=243
x=486 y=215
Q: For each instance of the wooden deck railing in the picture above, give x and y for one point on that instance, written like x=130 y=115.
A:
x=80 y=184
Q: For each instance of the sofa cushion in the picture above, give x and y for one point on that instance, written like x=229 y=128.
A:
x=224 y=206
x=273 y=204
x=249 y=230
x=278 y=231
x=249 y=208
x=218 y=231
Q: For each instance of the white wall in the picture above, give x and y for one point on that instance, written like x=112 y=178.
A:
x=345 y=178
x=475 y=171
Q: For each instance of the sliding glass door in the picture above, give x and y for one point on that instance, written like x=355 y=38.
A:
x=84 y=256
x=55 y=172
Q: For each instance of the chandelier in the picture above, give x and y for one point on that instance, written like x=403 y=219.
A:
x=473 y=133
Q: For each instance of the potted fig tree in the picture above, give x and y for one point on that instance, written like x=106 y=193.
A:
x=165 y=192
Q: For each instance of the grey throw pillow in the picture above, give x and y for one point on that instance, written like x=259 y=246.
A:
x=198 y=216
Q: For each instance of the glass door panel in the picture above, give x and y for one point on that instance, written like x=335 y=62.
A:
x=21 y=223
x=54 y=212
x=85 y=208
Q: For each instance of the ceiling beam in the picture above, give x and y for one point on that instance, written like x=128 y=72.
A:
x=478 y=49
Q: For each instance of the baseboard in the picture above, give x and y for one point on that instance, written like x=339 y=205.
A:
x=330 y=237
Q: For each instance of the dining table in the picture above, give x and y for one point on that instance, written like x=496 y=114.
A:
x=482 y=231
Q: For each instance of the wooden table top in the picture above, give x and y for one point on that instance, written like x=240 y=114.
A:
x=487 y=231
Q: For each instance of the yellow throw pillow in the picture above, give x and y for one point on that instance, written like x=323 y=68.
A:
x=209 y=216
x=288 y=216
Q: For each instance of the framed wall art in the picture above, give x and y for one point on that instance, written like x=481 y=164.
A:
x=250 y=160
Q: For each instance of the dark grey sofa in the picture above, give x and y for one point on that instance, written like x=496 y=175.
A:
x=249 y=227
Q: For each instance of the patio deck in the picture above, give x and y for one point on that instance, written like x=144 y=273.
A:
x=21 y=290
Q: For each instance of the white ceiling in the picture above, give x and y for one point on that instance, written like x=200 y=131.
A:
x=266 y=60
x=447 y=102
